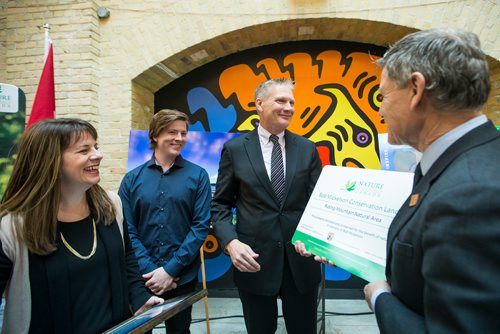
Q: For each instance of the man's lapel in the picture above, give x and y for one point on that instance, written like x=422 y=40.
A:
x=404 y=215
x=254 y=152
x=292 y=152
x=477 y=136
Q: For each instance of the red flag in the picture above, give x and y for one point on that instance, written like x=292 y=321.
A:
x=44 y=105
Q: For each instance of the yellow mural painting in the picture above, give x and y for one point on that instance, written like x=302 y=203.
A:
x=337 y=101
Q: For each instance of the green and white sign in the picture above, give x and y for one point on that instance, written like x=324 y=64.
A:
x=348 y=215
x=12 y=120
x=9 y=98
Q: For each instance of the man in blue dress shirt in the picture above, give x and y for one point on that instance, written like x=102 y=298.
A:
x=166 y=203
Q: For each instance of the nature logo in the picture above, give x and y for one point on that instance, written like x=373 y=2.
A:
x=350 y=185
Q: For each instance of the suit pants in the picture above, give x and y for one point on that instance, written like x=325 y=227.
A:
x=299 y=310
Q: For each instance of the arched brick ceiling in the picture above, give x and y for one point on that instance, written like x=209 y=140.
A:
x=355 y=30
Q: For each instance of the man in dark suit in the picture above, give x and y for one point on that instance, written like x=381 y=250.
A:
x=443 y=247
x=267 y=213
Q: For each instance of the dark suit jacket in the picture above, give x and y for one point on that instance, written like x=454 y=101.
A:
x=262 y=223
x=443 y=259
x=127 y=287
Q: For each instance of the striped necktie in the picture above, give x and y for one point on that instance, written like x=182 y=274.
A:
x=277 y=170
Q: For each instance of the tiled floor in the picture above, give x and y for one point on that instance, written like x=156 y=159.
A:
x=229 y=307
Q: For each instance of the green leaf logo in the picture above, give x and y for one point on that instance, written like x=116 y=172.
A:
x=350 y=185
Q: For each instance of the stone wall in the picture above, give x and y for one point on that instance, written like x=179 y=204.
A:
x=106 y=69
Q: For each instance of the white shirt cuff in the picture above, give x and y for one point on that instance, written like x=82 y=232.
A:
x=375 y=295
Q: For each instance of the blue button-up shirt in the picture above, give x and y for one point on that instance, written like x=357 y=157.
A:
x=168 y=216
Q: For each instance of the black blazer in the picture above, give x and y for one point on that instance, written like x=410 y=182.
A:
x=444 y=252
x=262 y=223
x=127 y=287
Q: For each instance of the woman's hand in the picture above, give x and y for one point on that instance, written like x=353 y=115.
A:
x=150 y=303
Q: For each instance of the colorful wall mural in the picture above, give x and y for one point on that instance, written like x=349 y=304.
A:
x=337 y=103
x=336 y=92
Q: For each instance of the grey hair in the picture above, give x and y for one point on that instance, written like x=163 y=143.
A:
x=452 y=62
x=262 y=90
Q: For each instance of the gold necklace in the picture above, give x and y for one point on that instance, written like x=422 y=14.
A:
x=75 y=253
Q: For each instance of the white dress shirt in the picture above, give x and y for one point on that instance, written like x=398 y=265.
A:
x=267 y=148
x=437 y=148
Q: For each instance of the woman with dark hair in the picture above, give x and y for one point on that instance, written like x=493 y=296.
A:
x=65 y=257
